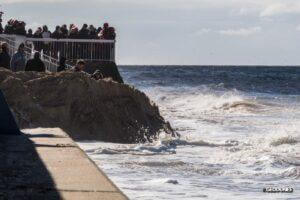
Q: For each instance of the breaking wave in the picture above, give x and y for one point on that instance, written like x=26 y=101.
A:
x=239 y=132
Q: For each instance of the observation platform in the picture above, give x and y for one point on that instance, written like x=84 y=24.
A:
x=90 y=50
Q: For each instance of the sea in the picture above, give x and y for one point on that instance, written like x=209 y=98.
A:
x=239 y=130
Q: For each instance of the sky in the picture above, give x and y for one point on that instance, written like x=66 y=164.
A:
x=180 y=32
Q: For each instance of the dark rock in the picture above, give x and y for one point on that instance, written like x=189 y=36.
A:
x=106 y=68
x=83 y=107
x=8 y=125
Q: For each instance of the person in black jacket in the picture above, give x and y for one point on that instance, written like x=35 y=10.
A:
x=38 y=33
x=62 y=64
x=35 y=64
x=64 y=31
x=29 y=33
x=4 y=56
x=57 y=34
x=84 y=32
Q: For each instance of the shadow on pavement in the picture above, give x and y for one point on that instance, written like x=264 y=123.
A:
x=23 y=174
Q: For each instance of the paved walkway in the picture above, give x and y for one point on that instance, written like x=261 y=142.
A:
x=47 y=164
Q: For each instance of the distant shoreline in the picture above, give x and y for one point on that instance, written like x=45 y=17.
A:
x=263 y=66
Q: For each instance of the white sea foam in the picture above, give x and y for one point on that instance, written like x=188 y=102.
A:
x=232 y=144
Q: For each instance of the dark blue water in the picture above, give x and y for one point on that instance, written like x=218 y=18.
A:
x=281 y=80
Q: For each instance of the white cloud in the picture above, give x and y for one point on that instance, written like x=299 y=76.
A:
x=31 y=1
x=281 y=8
x=241 y=32
x=201 y=32
x=298 y=28
x=152 y=44
x=263 y=8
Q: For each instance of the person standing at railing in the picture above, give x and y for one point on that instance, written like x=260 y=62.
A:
x=84 y=32
x=98 y=32
x=73 y=47
x=74 y=33
x=38 y=33
x=111 y=33
x=4 y=56
x=29 y=33
x=64 y=31
x=20 y=28
x=104 y=34
x=46 y=34
x=56 y=46
x=35 y=64
x=57 y=34
x=18 y=60
x=92 y=32
x=9 y=27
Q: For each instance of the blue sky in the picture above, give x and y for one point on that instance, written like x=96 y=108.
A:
x=187 y=32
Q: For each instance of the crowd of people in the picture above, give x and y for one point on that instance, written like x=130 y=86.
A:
x=57 y=49
x=18 y=61
x=61 y=32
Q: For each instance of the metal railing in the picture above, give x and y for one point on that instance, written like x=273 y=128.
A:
x=13 y=43
x=74 y=49
x=71 y=49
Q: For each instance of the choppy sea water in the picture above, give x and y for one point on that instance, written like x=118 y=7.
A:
x=240 y=132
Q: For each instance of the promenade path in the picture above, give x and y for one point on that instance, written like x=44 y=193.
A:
x=48 y=164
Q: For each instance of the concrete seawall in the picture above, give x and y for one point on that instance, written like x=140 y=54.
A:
x=48 y=164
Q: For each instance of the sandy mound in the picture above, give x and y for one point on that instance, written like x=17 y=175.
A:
x=84 y=108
